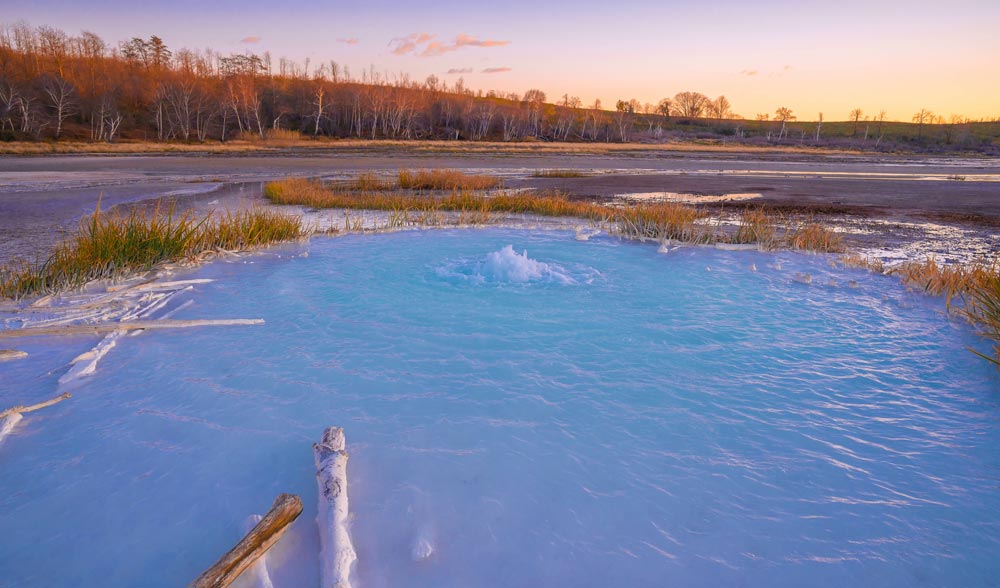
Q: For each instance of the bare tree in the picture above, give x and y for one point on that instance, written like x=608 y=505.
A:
x=9 y=97
x=61 y=97
x=664 y=108
x=819 y=126
x=922 y=117
x=690 y=104
x=319 y=92
x=855 y=116
x=783 y=115
x=623 y=118
x=719 y=108
x=880 y=119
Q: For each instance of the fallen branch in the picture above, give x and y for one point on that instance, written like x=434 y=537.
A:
x=337 y=554
x=10 y=417
x=257 y=576
x=104 y=328
x=9 y=354
x=32 y=408
x=284 y=511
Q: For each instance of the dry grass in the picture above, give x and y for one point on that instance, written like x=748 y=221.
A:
x=815 y=237
x=370 y=181
x=654 y=221
x=757 y=226
x=944 y=280
x=859 y=261
x=661 y=221
x=558 y=173
x=282 y=135
x=113 y=246
x=445 y=179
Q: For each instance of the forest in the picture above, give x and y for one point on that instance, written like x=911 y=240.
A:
x=55 y=86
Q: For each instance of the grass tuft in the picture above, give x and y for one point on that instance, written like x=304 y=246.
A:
x=558 y=173
x=815 y=237
x=445 y=179
x=111 y=246
x=757 y=226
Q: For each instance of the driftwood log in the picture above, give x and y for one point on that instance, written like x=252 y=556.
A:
x=9 y=354
x=263 y=536
x=337 y=554
x=257 y=576
x=105 y=328
x=10 y=417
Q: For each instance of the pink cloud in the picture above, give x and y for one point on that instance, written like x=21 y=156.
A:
x=463 y=70
x=428 y=47
x=409 y=43
x=438 y=48
x=351 y=41
x=494 y=70
x=250 y=39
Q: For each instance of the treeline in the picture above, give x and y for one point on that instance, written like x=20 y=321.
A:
x=55 y=86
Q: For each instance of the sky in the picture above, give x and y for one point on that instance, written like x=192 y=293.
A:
x=816 y=56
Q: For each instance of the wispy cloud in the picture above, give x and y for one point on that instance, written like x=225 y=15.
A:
x=351 y=41
x=250 y=39
x=495 y=70
x=769 y=73
x=424 y=45
x=463 y=70
x=409 y=43
x=438 y=48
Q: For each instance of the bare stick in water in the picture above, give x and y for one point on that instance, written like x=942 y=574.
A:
x=104 y=328
x=10 y=417
x=33 y=407
x=336 y=551
x=265 y=534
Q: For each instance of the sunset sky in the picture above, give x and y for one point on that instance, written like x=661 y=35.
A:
x=817 y=56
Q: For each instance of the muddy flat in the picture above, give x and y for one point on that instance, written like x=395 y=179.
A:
x=42 y=197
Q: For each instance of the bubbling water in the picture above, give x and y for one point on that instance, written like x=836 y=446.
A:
x=508 y=267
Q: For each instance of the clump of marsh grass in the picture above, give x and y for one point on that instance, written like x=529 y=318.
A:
x=941 y=279
x=558 y=173
x=654 y=221
x=111 y=246
x=296 y=191
x=445 y=179
x=815 y=237
x=756 y=226
x=370 y=181
x=871 y=264
x=662 y=221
